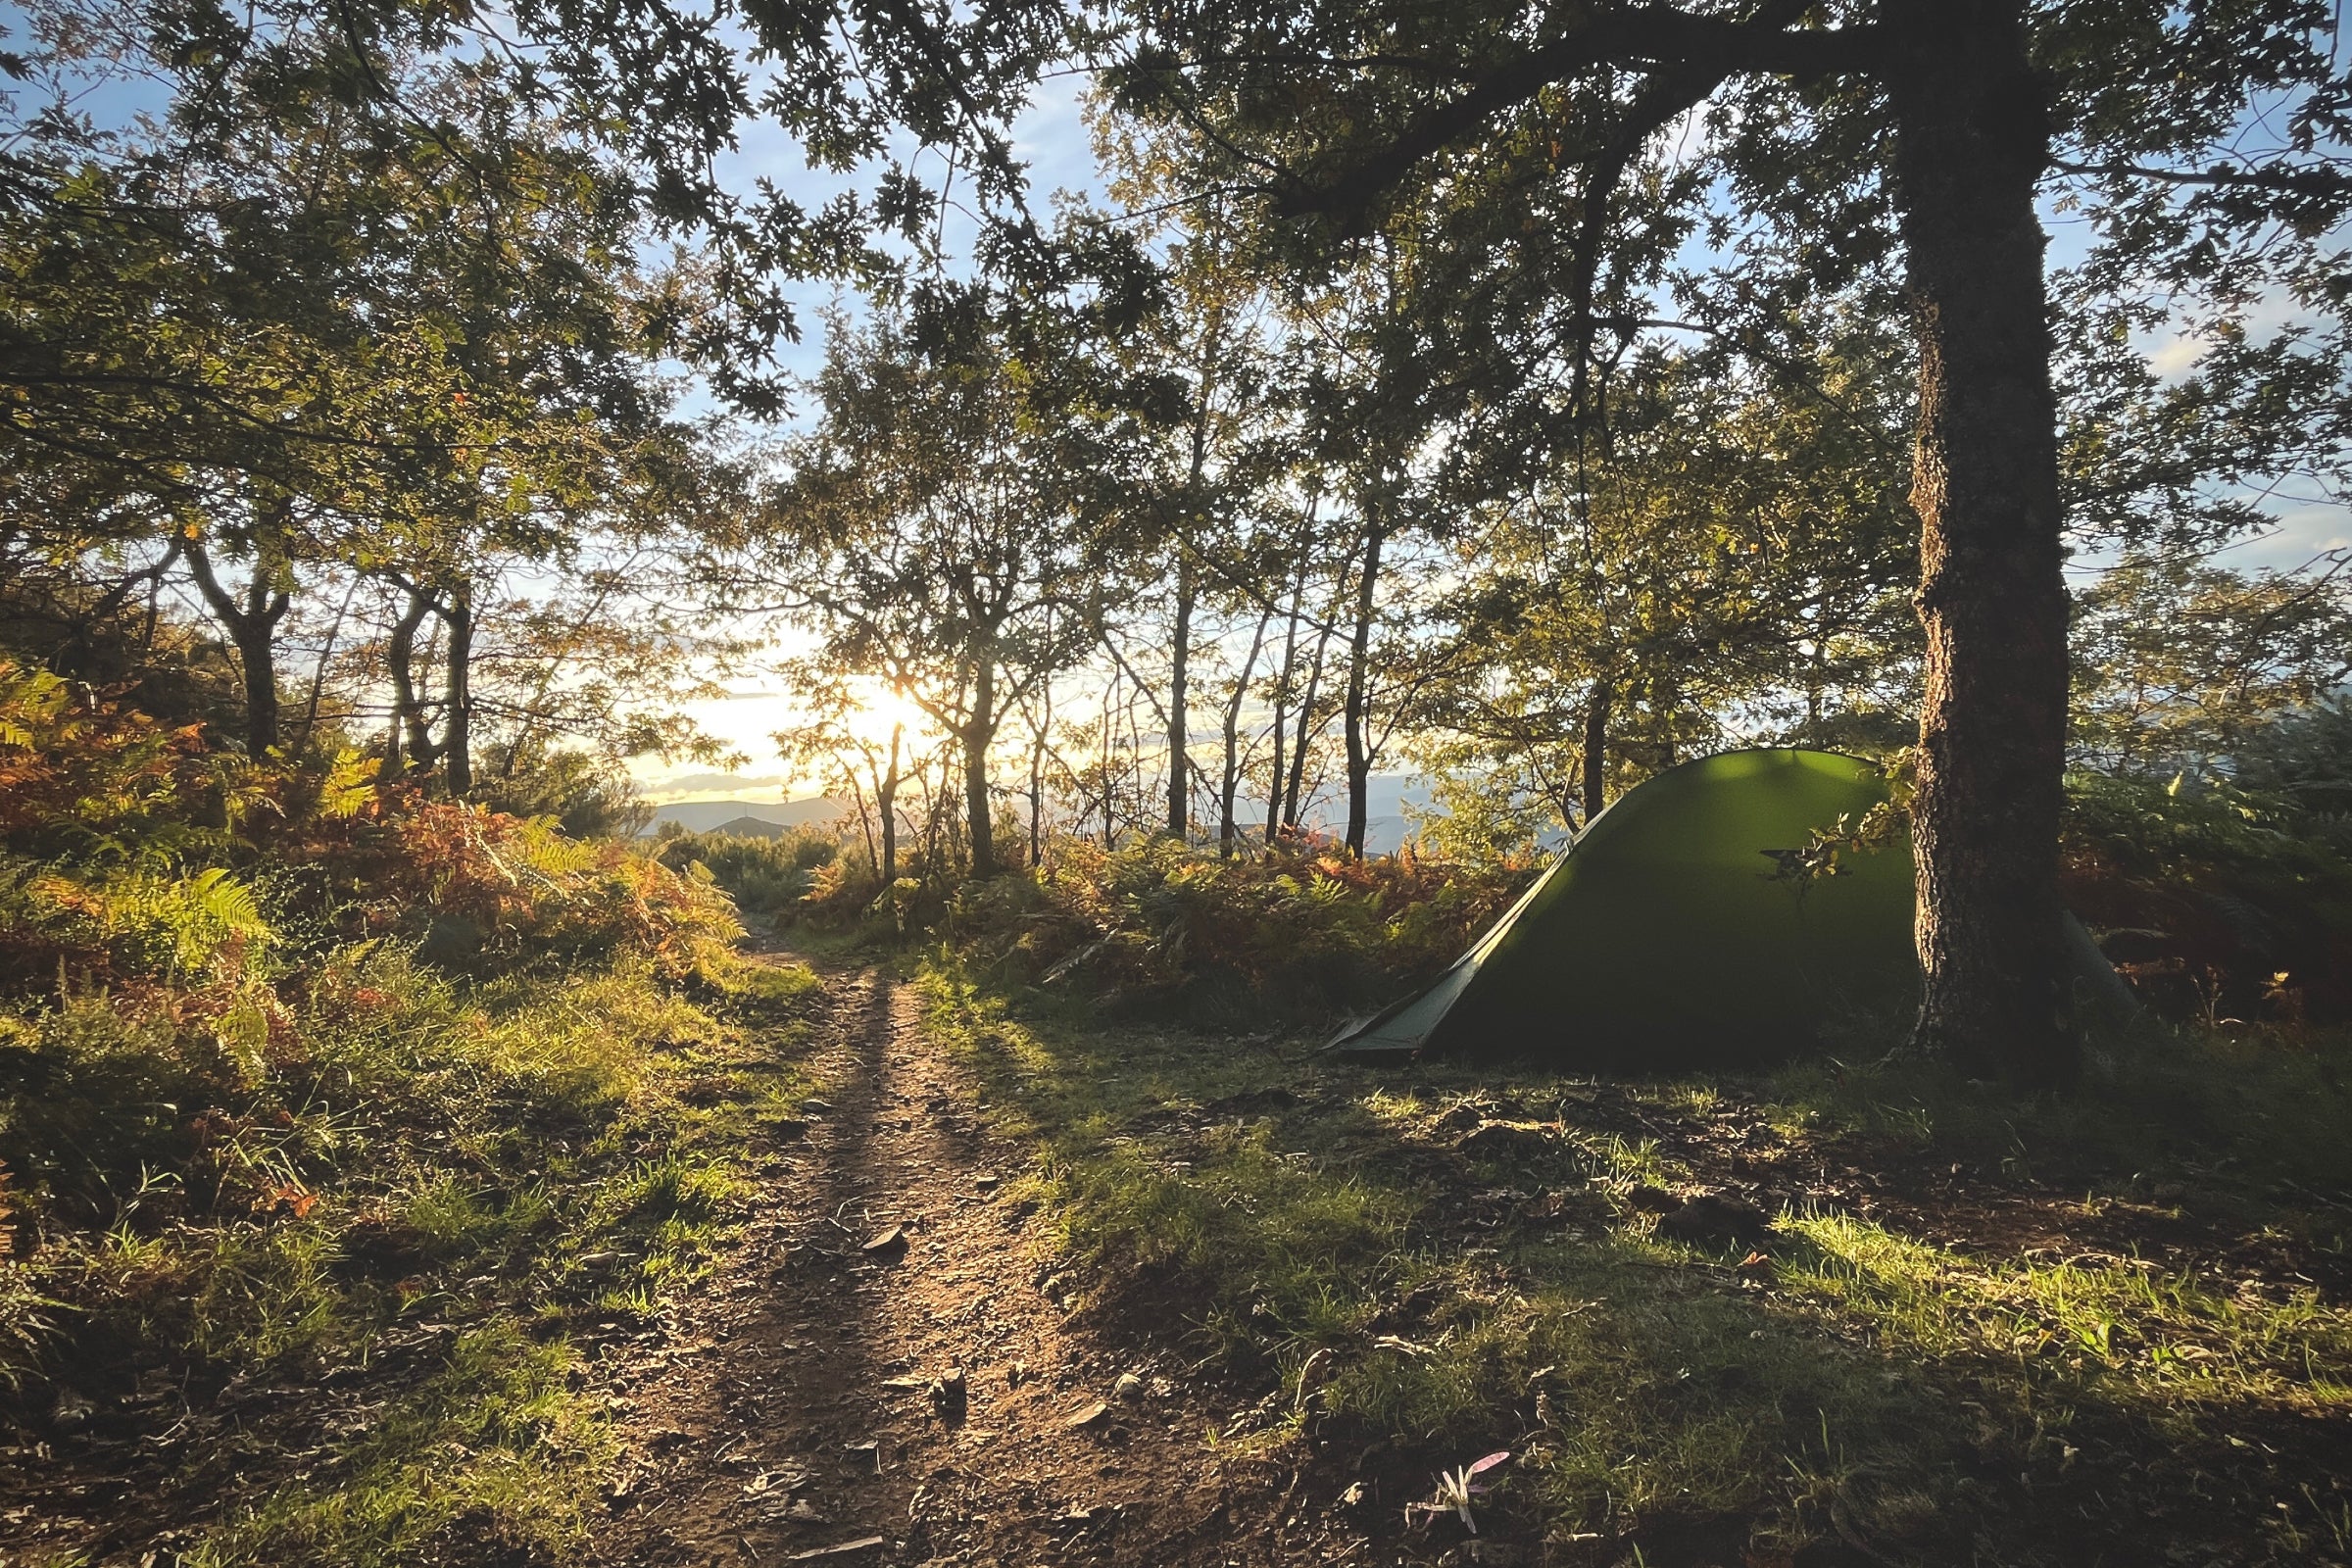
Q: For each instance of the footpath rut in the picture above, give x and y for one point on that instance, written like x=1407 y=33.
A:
x=807 y=1406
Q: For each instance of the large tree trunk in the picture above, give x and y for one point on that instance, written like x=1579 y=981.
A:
x=457 y=736
x=1355 y=720
x=256 y=652
x=1596 y=759
x=1972 y=141
x=1180 y=770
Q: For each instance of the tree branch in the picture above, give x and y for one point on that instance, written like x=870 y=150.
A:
x=1653 y=36
x=2278 y=178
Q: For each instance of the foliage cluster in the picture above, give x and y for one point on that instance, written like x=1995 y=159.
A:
x=2215 y=900
x=768 y=875
x=134 y=855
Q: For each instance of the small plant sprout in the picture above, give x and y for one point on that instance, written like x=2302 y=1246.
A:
x=1456 y=1489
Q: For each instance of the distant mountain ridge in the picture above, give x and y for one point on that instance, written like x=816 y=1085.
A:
x=705 y=816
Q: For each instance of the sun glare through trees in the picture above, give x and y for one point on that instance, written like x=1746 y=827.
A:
x=1288 y=783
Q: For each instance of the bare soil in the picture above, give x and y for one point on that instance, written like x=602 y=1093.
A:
x=883 y=1371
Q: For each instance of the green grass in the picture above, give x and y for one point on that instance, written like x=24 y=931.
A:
x=1371 y=1286
x=2153 y=1339
x=466 y=1178
x=492 y=1455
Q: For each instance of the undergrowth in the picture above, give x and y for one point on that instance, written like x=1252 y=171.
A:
x=338 y=1129
x=1157 y=929
x=768 y=873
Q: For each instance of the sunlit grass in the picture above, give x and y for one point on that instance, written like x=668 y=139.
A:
x=492 y=1455
x=479 y=1160
x=1311 y=1231
x=2161 y=1337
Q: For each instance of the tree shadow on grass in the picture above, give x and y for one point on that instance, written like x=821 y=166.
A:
x=1424 y=1266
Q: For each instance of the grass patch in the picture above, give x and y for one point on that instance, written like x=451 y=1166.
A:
x=2248 y=1112
x=1402 y=1273
x=492 y=1459
x=2154 y=1338
x=386 y=1270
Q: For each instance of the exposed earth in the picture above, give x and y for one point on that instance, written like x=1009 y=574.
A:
x=883 y=1372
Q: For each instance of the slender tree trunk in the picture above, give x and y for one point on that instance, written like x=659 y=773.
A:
x=978 y=735
x=1972 y=140
x=1109 y=829
x=1280 y=731
x=1229 y=782
x=1036 y=799
x=252 y=628
x=1597 y=750
x=408 y=713
x=886 y=805
x=1306 y=733
x=1283 y=686
x=866 y=821
x=457 y=736
x=935 y=821
x=326 y=654
x=1360 y=682
x=1180 y=772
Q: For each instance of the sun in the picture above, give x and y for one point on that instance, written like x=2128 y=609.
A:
x=881 y=710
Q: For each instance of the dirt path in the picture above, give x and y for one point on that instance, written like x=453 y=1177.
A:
x=809 y=1408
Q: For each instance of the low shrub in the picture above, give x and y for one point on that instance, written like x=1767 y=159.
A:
x=2219 y=902
x=763 y=873
x=1296 y=932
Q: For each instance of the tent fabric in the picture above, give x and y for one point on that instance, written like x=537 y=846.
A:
x=1665 y=937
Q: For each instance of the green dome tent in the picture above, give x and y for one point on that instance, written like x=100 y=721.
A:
x=1666 y=936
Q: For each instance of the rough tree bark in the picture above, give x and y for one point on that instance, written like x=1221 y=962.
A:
x=1972 y=140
